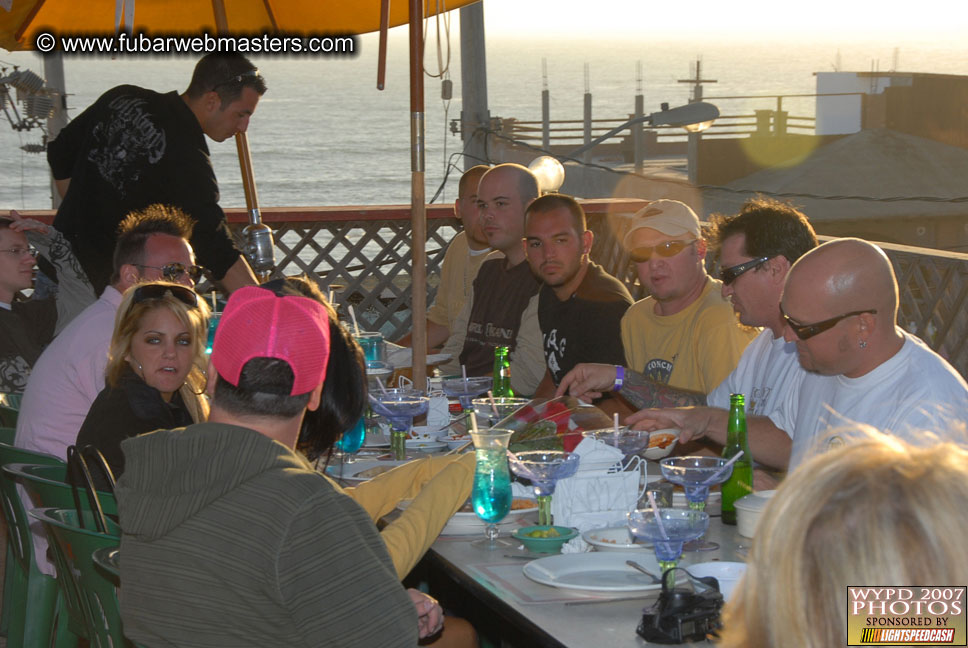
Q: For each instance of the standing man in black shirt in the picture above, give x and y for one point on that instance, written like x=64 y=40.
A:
x=135 y=147
x=580 y=306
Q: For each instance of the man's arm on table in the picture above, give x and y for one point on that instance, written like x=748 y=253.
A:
x=437 y=334
x=589 y=381
x=769 y=444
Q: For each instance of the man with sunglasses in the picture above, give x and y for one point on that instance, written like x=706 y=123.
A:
x=135 y=147
x=152 y=245
x=840 y=307
x=27 y=325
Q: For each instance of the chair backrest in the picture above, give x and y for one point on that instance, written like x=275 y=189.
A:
x=48 y=487
x=18 y=525
x=8 y=416
x=7 y=434
x=11 y=401
x=74 y=548
x=108 y=560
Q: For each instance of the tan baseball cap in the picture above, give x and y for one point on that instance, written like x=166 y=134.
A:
x=670 y=217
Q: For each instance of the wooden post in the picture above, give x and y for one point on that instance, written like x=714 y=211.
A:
x=545 y=108
x=418 y=205
x=587 y=156
x=638 y=132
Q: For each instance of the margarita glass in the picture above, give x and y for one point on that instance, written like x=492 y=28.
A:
x=677 y=527
x=696 y=475
x=544 y=468
x=399 y=406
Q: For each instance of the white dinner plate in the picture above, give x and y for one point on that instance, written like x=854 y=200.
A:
x=425 y=445
x=595 y=571
x=350 y=472
x=465 y=523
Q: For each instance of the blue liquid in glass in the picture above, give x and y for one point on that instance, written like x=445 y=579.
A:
x=352 y=440
x=491 y=494
x=212 y=326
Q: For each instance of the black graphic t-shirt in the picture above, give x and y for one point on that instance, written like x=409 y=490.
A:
x=584 y=328
x=132 y=148
x=25 y=330
x=500 y=297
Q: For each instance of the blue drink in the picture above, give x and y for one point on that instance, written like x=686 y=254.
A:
x=491 y=494
x=212 y=326
x=352 y=439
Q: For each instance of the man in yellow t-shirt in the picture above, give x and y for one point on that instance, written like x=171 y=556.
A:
x=684 y=333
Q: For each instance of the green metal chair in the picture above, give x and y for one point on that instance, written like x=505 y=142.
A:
x=74 y=548
x=6 y=436
x=47 y=487
x=36 y=611
x=8 y=416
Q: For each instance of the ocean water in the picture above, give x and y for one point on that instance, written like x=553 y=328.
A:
x=323 y=134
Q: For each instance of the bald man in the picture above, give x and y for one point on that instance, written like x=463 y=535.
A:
x=839 y=306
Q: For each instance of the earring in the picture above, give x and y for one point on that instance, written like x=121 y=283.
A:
x=863 y=344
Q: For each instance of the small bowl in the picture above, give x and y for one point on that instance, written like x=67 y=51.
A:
x=727 y=573
x=661 y=444
x=454 y=442
x=544 y=545
x=613 y=539
x=748 y=511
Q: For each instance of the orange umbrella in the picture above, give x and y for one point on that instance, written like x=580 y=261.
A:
x=27 y=18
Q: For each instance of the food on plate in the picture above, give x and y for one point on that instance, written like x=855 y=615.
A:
x=662 y=439
x=543 y=533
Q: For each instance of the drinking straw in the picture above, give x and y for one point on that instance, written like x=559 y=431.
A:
x=712 y=480
x=330 y=295
x=490 y=395
x=473 y=423
x=658 y=518
x=356 y=324
x=615 y=421
x=214 y=301
x=463 y=372
x=378 y=381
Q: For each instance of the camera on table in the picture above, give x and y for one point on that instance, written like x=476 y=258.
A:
x=681 y=614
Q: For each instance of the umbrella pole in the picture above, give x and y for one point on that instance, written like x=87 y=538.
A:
x=418 y=207
x=257 y=235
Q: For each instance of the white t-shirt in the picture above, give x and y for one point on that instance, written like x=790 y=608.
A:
x=915 y=390
x=768 y=373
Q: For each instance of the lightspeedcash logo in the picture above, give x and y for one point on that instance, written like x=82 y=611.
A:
x=906 y=616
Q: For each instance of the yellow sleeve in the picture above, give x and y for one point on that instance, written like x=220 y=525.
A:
x=528 y=364
x=721 y=343
x=410 y=535
x=438 y=313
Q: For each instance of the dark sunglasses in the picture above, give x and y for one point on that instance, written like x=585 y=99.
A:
x=172 y=271
x=730 y=274
x=239 y=78
x=807 y=331
x=185 y=295
x=667 y=249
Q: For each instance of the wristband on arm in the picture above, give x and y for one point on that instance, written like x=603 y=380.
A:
x=619 y=378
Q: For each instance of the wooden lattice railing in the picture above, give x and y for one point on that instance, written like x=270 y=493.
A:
x=331 y=245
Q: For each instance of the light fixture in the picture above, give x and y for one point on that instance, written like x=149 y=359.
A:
x=699 y=127
x=549 y=172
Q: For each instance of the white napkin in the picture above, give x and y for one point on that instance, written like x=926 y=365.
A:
x=596 y=456
x=438 y=415
x=596 y=500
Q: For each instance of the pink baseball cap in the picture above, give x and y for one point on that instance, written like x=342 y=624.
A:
x=258 y=324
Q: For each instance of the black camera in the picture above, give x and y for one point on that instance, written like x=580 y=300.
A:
x=681 y=614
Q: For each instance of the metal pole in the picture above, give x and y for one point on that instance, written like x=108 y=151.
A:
x=545 y=108
x=473 y=72
x=418 y=206
x=54 y=80
x=588 y=118
x=638 y=133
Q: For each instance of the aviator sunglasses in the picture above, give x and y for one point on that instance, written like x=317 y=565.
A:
x=172 y=271
x=667 y=249
x=239 y=78
x=159 y=291
x=807 y=331
x=730 y=274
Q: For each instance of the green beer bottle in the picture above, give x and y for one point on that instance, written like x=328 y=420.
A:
x=740 y=483
x=502 y=374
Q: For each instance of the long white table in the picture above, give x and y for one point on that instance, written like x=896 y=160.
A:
x=494 y=594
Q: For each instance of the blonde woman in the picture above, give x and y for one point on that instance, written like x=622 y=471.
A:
x=877 y=512
x=155 y=373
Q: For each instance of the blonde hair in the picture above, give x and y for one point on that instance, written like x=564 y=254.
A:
x=128 y=321
x=877 y=511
